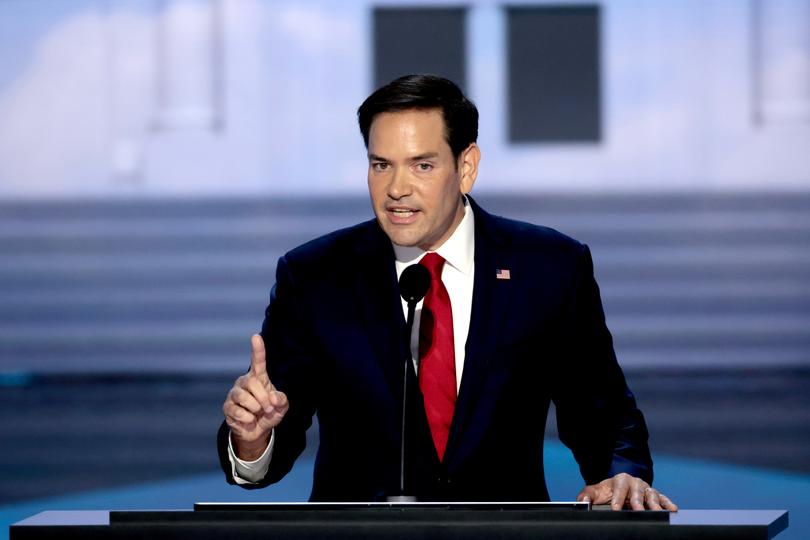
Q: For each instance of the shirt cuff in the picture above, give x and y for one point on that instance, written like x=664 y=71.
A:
x=250 y=472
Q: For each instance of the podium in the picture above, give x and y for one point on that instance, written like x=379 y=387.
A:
x=434 y=521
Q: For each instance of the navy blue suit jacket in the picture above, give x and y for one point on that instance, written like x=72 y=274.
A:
x=334 y=334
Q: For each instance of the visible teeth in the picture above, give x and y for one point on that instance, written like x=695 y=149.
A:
x=403 y=213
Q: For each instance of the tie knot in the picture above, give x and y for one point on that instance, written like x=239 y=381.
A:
x=434 y=263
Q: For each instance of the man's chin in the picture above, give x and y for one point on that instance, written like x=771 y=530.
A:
x=402 y=240
x=398 y=234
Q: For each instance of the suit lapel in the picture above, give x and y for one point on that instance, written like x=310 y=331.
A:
x=490 y=307
x=377 y=295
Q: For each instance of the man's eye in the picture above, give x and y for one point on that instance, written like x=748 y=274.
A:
x=425 y=167
x=379 y=166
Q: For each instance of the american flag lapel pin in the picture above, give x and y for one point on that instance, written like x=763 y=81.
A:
x=502 y=273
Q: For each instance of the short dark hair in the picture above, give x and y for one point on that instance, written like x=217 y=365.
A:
x=424 y=91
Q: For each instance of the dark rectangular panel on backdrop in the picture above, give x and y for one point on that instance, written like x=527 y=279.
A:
x=554 y=73
x=419 y=40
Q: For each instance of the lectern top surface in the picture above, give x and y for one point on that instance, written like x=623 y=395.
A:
x=726 y=517
x=66 y=517
x=517 y=505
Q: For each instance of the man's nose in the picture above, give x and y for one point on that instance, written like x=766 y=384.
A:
x=400 y=184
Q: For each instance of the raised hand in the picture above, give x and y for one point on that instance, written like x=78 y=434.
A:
x=253 y=406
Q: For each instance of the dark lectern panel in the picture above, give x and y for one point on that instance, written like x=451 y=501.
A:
x=399 y=524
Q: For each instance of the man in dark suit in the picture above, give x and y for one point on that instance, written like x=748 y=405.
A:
x=511 y=321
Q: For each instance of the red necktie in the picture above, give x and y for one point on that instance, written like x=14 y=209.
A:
x=437 y=357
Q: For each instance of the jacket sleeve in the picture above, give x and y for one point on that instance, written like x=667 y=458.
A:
x=597 y=416
x=290 y=365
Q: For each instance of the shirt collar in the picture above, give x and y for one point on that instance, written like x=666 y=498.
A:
x=458 y=250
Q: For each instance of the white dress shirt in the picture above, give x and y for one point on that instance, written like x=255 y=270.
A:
x=457 y=275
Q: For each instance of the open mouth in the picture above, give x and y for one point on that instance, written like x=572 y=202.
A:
x=400 y=215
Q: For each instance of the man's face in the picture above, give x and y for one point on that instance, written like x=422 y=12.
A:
x=414 y=182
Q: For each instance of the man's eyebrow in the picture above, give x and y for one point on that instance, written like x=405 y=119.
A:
x=420 y=157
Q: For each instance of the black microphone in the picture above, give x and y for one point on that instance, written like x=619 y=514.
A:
x=413 y=285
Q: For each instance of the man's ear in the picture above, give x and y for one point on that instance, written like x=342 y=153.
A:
x=468 y=167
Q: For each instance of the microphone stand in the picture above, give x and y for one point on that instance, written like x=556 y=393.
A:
x=408 y=361
x=414 y=283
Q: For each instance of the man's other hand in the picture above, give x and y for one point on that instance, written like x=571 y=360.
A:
x=625 y=491
x=254 y=406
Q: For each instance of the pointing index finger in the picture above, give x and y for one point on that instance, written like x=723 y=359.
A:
x=258 y=363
